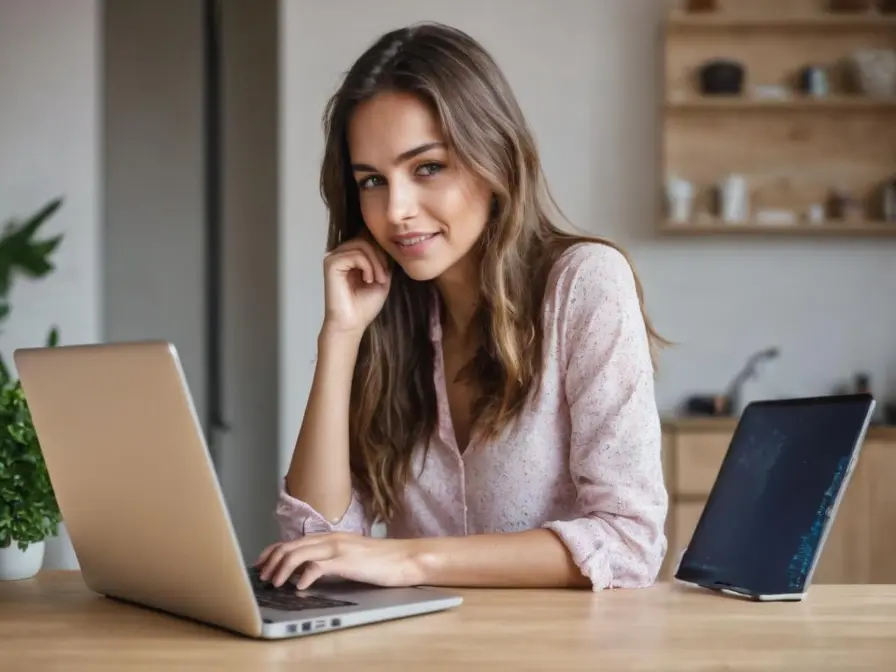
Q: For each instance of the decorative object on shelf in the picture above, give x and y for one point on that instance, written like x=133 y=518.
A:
x=815 y=213
x=772 y=92
x=701 y=6
x=734 y=199
x=873 y=72
x=814 y=81
x=679 y=199
x=775 y=217
x=722 y=77
x=849 y=6
x=890 y=414
x=842 y=205
x=888 y=201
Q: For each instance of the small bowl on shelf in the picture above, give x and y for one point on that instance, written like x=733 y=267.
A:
x=721 y=77
x=873 y=72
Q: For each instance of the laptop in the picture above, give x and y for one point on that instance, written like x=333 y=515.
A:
x=143 y=506
x=775 y=497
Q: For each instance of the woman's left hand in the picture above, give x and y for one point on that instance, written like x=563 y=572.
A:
x=383 y=562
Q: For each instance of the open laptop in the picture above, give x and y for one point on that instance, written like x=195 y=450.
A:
x=143 y=506
x=775 y=498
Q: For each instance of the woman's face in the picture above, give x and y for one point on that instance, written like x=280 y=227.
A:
x=421 y=205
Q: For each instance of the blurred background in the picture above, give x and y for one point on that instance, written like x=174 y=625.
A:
x=744 y=153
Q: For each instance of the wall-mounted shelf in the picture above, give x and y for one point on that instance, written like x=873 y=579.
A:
x=828 y=229
x=749 y=20
x=793 y=104
x=798 y=151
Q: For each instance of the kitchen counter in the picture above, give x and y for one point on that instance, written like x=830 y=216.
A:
x=723 y=424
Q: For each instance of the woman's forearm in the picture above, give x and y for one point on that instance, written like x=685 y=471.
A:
x=531 y=559
x=319 y=472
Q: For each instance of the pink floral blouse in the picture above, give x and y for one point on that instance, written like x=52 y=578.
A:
x=584 y=458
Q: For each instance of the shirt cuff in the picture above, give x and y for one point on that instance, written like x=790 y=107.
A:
x=297 y=518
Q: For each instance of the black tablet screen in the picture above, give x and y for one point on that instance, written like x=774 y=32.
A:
x=763 y=521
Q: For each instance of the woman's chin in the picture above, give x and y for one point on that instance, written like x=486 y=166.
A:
x=422 y=270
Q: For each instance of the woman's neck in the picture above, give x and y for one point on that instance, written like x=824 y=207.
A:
x=459 y=289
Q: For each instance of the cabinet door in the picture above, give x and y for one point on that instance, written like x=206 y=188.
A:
x=845 y=557
x=881 y=467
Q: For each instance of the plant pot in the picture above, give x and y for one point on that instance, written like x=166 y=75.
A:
x=16 y=564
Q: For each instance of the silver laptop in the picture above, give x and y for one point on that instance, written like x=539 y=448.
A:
x=143 y=506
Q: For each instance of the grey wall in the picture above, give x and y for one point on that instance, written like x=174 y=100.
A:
x=153 y=231
x=154 y=235
x=587 y=73
x=251 y=311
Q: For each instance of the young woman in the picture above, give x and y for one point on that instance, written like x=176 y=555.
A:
x=484 y=381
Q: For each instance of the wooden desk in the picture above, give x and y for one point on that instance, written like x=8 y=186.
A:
x=54 y=622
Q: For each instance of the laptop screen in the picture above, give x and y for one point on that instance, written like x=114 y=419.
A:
x=766 y=513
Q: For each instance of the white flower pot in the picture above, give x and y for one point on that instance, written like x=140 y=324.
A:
x=16 y=564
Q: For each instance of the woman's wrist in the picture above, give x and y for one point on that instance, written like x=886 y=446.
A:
x=338 y=339
x=423 y=561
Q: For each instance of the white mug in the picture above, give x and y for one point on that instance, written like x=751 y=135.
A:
x=680 y=197
x=735 y=205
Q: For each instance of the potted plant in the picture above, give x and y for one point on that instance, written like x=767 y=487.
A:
x=28 y=509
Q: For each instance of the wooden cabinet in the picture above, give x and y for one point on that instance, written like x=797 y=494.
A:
x=860 y=548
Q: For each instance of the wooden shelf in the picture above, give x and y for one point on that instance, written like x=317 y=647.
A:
x=795 y=151
x=859 y=229
x=794 y=104
x=747 y=21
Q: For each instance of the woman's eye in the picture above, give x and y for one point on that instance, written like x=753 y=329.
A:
x=370 y=182
x=428 y=169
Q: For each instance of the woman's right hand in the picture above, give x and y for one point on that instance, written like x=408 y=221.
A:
x=356 y=283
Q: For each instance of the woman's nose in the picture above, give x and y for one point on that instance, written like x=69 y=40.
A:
x=403 y=202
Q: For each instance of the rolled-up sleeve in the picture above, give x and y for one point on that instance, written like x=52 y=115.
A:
x=618 y=540
x=297 y=519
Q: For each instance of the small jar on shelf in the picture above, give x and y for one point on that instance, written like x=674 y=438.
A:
x=844 y=206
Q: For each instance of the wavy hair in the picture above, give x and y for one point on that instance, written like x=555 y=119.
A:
x=393 y=397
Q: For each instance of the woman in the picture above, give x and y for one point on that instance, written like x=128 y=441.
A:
x=484 y=381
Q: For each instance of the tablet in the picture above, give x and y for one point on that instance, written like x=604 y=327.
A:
x=776 y=495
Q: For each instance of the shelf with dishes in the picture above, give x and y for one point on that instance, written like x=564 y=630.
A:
x=739 y=204
x=804 y=121
x=785 y=103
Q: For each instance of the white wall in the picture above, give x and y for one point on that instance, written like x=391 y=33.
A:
x=49 y=146
x=587 y=74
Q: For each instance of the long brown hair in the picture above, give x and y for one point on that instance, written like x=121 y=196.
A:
x=393 y=397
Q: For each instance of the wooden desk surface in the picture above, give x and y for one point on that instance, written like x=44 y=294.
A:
x=54 y=622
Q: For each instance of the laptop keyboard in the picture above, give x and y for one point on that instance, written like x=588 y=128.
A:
x=285 y=598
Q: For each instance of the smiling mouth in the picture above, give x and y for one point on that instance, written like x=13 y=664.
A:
x=416 y=240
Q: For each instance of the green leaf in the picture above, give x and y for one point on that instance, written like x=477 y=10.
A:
x=21 y=252
x=28 y=508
